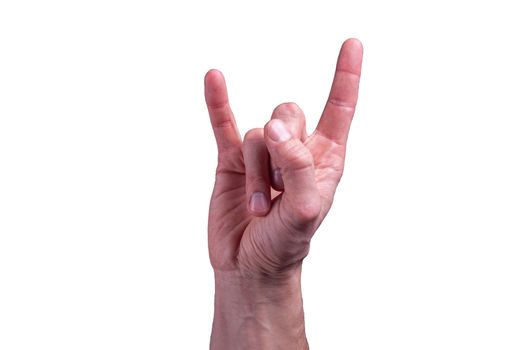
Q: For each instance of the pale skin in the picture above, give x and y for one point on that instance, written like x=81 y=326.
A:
x=273 y=189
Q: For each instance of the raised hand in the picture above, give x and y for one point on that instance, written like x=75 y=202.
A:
x=272 y=191
x=250 y=230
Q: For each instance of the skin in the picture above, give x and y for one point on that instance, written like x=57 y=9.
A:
x=273 y=189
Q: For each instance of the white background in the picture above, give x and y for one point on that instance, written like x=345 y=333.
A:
x=107 y=164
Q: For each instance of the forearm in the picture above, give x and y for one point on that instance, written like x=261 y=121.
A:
x=254 y=314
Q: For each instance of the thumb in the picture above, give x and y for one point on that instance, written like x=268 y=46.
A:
x=301 y=198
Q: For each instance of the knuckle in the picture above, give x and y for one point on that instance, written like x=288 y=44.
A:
x=308 y=210
x=252 y=135
x=255 y=182
x=297 y=156
x=289 y=108
x=230 y=162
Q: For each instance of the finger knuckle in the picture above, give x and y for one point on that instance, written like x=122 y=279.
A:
x=297 y=156
x=289 y=108
x=256 y=182
x=252 y=135
x=308 y=210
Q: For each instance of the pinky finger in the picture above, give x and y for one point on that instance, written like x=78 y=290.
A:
x=221 y=116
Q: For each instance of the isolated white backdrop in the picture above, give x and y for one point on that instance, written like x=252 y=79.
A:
x=107 y=164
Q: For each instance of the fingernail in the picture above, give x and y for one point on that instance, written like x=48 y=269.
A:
x=258 y=203
x=278 y=131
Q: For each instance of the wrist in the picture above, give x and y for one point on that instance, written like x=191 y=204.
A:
x=258 y=313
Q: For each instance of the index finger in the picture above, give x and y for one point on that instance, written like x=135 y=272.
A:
x=221 y=116
x=336 y=118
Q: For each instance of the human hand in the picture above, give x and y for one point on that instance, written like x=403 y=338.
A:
x=272 y=191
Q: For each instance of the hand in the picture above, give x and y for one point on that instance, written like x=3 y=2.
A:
x=248 y=231
x=272 y=191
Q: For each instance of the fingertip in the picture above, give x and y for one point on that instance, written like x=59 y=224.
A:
x=214 y=81
x=350 y=57
x=215 y=89
x=213 y=75
x=353 y=44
